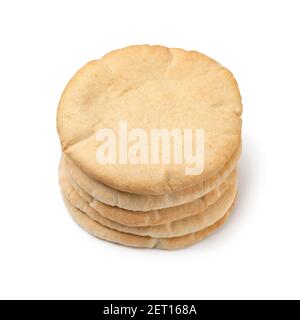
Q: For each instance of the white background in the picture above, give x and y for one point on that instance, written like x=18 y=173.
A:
x=44 y=254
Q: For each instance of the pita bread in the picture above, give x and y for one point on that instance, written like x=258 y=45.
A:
x=177 y=228
x=150 y=87
x=153 y=217
x=100 y=231
x=137 y=202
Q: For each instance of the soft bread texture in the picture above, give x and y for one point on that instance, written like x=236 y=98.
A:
x=143 y=218
x=100 y=231
x=177 y=228
x=150 y=87
x=137 y=202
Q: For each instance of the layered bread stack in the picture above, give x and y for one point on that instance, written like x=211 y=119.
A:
x=112 y=185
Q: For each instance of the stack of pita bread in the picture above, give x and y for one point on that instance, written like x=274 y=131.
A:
x=150 y=205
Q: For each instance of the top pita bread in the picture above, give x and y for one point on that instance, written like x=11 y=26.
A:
x=150 y=87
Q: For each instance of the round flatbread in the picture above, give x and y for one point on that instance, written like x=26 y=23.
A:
x=100 y=231
x=176 y=228
x=143 y=218
x=137 y=202
x=150 y=87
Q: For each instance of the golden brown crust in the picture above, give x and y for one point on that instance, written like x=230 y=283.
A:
x=178 y=227
x=150 y=87
x=141 y=218
x=136 y=202
x=102 y=232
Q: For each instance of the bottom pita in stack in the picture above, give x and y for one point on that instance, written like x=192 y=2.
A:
x=167 y=228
